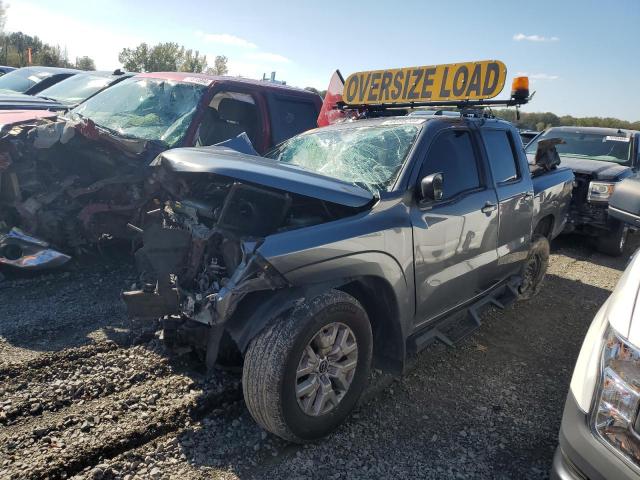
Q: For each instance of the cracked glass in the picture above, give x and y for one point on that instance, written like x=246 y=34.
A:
x=367 y=156
x=145 y=108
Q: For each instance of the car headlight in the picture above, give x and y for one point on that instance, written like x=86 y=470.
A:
x=614 y=417
x=600 y=191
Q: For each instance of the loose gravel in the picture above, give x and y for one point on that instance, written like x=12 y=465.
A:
x=85 y=394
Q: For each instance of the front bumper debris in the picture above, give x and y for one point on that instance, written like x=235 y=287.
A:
x=20 y=250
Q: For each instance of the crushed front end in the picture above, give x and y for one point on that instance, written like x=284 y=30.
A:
x=71 y=183
x=201 y=250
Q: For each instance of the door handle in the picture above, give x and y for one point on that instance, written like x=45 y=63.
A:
x=489 y=207
x=528 y=196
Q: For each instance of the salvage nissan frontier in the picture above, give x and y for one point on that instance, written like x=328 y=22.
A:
x=347 y=246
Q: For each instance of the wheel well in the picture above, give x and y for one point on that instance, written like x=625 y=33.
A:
x=545 y=226
x=378 y=300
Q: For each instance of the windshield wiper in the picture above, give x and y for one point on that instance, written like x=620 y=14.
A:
x=51 y=99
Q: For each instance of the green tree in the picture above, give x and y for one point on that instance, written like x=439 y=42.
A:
x=167 y=57
x=85 y=63
x=136 y=59
x=193 y=62
x=542 y=120
x=51 y=56
x=14 y=48
x=219 y=66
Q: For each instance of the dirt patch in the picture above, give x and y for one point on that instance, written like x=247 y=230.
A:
x=84 y=394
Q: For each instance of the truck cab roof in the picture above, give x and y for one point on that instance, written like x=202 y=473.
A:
x=210 y=80
x=420 y=119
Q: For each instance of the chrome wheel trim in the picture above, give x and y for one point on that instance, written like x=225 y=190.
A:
x=326 y=369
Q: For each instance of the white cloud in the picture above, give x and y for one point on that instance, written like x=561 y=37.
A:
x=79 y=38
x=268 y=57
x=226 y=39
x=537 y=76
x=518 y=37
x=238 y=68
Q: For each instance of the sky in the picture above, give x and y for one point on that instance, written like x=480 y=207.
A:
x=582 y=56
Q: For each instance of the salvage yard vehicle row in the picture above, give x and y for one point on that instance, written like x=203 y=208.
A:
x=80 y=179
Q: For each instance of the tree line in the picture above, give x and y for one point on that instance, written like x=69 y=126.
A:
x=540 y=120
x=14 y=52
x=170 y=57
x=18 y=49
x=163 y=57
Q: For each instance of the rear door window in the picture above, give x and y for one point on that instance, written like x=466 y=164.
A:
x=453 y=155
x=502 y=155
x=290 y=116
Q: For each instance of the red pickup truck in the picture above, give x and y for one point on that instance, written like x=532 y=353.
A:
x=84 y=176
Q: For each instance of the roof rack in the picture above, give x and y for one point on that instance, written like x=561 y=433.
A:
x=514 y=101
x=466 y=107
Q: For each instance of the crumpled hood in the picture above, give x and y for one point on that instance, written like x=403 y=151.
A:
x=10 y=118
x=263 y=171
x=598 y=169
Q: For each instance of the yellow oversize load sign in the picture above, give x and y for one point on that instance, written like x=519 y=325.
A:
x=436 y=83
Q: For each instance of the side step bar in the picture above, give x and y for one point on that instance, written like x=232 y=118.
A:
x=455 y=327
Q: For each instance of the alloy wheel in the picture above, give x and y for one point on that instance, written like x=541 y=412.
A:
x=326 y=369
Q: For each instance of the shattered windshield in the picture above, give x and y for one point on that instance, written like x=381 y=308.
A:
x=146 y=108
x=75 y=89
x=591 y=146
x=367 y=156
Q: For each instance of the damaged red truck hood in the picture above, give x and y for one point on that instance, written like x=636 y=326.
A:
x=264 y=171
x=9 y=118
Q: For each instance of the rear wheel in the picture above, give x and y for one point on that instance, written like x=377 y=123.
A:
x=614 y=241
x=534 y=268
x=304 y=374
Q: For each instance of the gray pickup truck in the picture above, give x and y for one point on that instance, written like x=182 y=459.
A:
x=355 y=244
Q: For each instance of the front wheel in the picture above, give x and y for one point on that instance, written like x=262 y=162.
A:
x=304 y=373
x=614 y=241
x=534 y=268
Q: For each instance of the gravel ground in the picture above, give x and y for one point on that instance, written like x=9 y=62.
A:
x=85 y=394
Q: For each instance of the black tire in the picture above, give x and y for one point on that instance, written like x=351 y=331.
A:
x=534 y=268
x=613 y=242
x=273 y=356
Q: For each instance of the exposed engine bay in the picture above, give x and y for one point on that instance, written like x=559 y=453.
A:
x=201 y=254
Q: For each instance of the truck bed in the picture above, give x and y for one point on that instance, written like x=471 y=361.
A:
x=552 y=190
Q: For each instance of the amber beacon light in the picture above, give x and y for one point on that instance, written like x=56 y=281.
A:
x=520 y=88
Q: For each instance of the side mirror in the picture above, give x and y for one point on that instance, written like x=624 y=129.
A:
x=431 y=187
